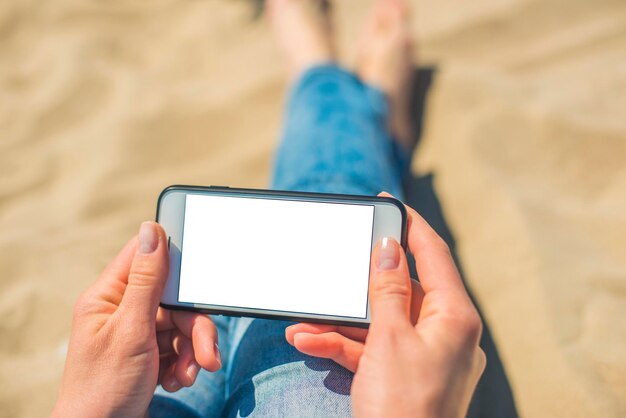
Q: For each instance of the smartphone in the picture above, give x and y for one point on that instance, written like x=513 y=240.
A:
x=274 y=254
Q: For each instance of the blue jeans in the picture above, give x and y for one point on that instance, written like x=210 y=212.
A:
x=335 y=140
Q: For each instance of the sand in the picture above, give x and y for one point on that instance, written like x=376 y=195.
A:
x=102 y=104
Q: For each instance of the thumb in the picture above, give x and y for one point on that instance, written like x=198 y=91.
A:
x=148 y=273
x=390 y=296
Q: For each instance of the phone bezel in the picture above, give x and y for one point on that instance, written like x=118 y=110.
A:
x=172 y=220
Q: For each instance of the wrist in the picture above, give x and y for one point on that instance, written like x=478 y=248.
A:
x=64 y=409
x=69 y=409
x=441 y=404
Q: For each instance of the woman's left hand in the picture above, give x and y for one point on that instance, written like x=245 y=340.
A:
x=122 y=343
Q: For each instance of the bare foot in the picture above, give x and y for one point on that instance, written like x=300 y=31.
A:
x=303 y=30
x=385 y=61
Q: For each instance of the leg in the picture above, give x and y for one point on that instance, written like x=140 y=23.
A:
x=348 y=134
x=336 y=139
x=270 y=378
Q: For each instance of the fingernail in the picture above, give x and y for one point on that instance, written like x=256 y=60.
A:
x=388 y=254
x=218 y=355
x=148 y=238
x=173 y=384
x=193 y=369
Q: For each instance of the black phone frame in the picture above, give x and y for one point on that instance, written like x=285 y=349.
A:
x=283 y=193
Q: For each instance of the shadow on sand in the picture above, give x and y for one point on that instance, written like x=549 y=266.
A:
x=493 y=397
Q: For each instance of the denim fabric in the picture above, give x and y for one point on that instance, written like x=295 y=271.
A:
x=334 y=140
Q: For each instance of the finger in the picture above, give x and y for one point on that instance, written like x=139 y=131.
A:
x=432 y=256
x=417 y=297
x=164 y=319
x=480 y=363
x=417 y=293
x=439 y=277
x=169 y=382
x=203 y=334
x=390 y=287
x=332 y=345
x=164 y=363
x=186 y=368
x=356 y=334
x=111 y=284
x=147 y=275
x=119 y=267
x=164 y=342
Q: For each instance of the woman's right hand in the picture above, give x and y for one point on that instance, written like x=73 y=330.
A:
x=425 y=366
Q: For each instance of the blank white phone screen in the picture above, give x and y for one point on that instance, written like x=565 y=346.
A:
x=279 y=255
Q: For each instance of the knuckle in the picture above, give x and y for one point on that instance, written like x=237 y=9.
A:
x=392 y=334
x=390 y=286
x=481 y=360
x=143 y=264
x=141 y=276
x=472 y=328
x=133 y=329
x=441 y=245
x=82 y=306
x=336 y=346
x=467 y=327
x=476 y=325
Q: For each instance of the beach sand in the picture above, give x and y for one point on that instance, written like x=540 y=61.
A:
x=102 y=104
